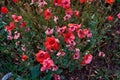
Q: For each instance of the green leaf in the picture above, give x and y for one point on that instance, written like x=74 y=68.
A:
x=35 y=71
x=48 y=76
x=117 y=0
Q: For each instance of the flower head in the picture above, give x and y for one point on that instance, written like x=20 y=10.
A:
x=24 y=57
x=47 y=14
x=16 y=18
x=10 y=27
x=87 y=59
x=4 y=10
x=41 y=56
x=51 y=43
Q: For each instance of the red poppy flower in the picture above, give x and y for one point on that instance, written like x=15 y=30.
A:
x=68 y=37
x=10 y=27
x=110 y=18
x=51 y=43
x=41 y=56
x=57 y=2
x=83 y=1
x=47 y=14
x=110 y=1
x=24 y=57
x=87 y=59
x=4 y=10
x=16 y=18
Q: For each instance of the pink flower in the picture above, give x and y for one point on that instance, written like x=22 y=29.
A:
x=77 y=50
x=27 y=29
x=87 y=59
x=69 y=11
x=9 y=37
x=32 y=1
x=16 y=35
x=60 y=53
x=81 y=34
x=56 y=19
x=71 y=29
x=42 y=3
x=76 y=26
x=89 y=35
x=66 y=4
x=77 y=13
x=62 y=29
x=47 y=64
x=16 y=18
x=17 y=43
x=101 y=54
x=23 y=48
x=54 y=68
x=66 y=17
x=22 y=24
x=71 y=42
x=56 y=77
x=118 y=16
x=118 y=32
x=76 y=56
x=49 y=31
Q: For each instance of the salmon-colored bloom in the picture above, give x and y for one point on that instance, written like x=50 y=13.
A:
x=41 y=56
x=47 y=14
x=4 y=10
x=51 y=43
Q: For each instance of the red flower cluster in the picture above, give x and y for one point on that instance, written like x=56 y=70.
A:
x=63 y=3
x=41 y=56
x=4 y=10
x=44 y=59
x=47 y=14
x=51 y=43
